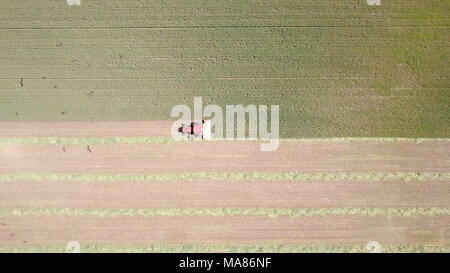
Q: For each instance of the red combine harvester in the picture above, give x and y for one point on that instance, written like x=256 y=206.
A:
x=197 y=129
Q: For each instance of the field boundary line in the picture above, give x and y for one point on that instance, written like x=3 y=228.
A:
x=224 y=176
x=27 y=141
x=233 y=248
x=226 y=212
x=365 y=139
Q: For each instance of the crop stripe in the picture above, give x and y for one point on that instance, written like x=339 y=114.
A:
x=242 y=176
x=256 y=248
x=26 y=141
x=220 y=212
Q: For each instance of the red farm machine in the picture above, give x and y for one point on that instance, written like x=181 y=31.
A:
x=196 y=129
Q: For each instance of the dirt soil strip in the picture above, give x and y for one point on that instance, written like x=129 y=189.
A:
x=348 y=229
x=226 y=156
x=236 y=193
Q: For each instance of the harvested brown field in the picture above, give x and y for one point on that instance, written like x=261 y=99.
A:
x=58 y=185
x=235 y=193
x=333 y=230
